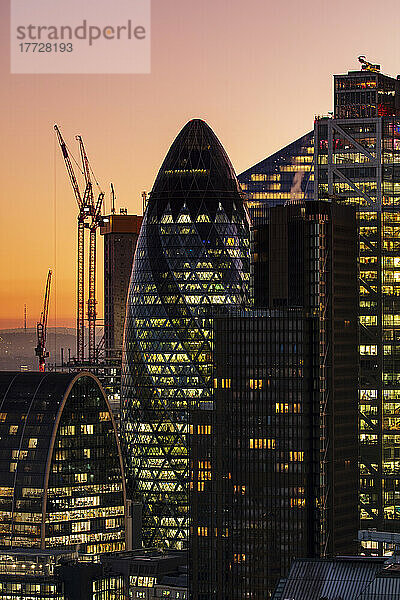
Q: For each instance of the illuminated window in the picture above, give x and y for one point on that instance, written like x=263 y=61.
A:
x=104 y=416
x=67 y=430
x=297 y=502
x=86 y=452
x=202 y=531
x=13 y=429
x=262 y=443
x=80 y=477
x=3 y=417
x=368 y=320
x=368 y=350
x=256 y=384
x=32 y=443
x=80 y=526
x=21 y=454
x=87 y=429
x=204 y=429
x=111 y=523
x=296 y=456
x=239 y=558
x=284 y=407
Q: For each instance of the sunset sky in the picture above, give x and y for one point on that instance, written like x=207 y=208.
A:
x=257 y=71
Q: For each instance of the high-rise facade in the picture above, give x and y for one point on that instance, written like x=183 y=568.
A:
x=286 y=175
x=120 y=233
x=278 y=476
x=62 y=481
x=192 y=256
x=357 y=161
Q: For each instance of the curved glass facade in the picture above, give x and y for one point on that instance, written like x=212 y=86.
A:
x=192 y=256
x=61 y=473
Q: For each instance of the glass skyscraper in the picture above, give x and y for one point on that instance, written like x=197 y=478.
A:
x=286 y=175
x=355 y=158
x=192 y=257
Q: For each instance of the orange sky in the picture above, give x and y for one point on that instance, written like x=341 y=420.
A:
x=257 y=71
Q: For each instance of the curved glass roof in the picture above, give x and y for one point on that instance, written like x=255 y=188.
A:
x=59 y=452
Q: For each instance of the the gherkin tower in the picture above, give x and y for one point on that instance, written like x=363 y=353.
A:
x=192 y=256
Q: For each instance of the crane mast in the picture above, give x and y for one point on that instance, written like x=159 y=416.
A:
x=41 y=327
x=88 y=211
x=95 y=213
x=83 y=206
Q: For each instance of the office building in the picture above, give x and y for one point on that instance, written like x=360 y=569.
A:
x=286 y=175
x=357 y=161
x=62 y=480
x=27 y=574
x=149 y=573
x=61 y=574
x=121 y=232
x=274 y=460
x=192 y=255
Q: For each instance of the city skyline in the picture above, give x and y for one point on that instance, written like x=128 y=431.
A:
x=232 y=73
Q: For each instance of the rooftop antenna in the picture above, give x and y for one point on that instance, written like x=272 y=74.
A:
x=112 y=200
x=25 y=315
x=368 y=66
x=144 y=201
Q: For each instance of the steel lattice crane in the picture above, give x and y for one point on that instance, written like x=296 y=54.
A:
x=41 y=328
x=96 y=219
x=89 y=217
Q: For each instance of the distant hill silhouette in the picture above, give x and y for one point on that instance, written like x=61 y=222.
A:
x=17 y=347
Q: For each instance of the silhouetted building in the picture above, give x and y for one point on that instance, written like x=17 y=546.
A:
x=192 y=255
x=274 y=460
x=62 y=480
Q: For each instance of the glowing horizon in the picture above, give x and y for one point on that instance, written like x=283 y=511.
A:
x=256 y=73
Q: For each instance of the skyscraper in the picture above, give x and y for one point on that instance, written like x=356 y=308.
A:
x=356 y=161
x=278 y=476
x=120 y=233
x=286 y=175
x=357 y=158
x=192 y=256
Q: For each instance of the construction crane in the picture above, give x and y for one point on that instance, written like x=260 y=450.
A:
x=84 y=213
x=41 y=328
x=96 y=220
x=89 y=217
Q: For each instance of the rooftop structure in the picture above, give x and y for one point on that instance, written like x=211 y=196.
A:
x=344 y=578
